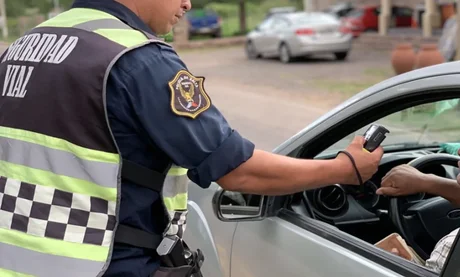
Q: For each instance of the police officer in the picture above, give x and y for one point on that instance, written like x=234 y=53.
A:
x=100 y=126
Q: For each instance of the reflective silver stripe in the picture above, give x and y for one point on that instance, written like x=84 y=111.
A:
x=58 y=162
x=106 y=23
x=174 y=185
x=44 y=265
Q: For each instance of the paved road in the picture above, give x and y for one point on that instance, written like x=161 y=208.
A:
x=267 y=101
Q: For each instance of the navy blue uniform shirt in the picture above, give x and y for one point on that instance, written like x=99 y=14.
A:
x=149 y=133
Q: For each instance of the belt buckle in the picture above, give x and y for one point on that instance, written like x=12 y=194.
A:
x=167 y=245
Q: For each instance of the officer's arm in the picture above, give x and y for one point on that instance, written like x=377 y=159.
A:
x=196 y=136
x=271 y=174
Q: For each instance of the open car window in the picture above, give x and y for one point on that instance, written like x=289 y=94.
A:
x=422 y=125
x=432 y=126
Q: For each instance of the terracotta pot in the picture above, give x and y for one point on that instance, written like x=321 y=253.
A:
x=403 y=58
x=428 y=55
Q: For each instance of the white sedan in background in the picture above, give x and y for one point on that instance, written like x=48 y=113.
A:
x=298 y=34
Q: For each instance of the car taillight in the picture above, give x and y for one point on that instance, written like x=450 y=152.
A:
x=305 y=32
x=344 y=30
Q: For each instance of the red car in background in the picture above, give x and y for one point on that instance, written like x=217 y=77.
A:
x=362 y=19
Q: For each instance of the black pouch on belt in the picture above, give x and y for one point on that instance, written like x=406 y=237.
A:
x=181 y=262
x=180 y=271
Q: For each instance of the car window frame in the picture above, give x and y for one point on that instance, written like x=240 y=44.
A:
x=280 y=209
x=280 y=20
x=268 y=22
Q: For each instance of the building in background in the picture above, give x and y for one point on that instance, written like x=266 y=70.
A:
x=427 y=14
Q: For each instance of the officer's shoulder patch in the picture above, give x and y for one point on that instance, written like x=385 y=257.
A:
x=188 y=96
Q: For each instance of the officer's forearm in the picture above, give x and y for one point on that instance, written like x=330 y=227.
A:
x=270 y=174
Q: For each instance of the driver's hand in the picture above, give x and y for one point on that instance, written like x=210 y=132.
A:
x=367 y=163
x=403 y=180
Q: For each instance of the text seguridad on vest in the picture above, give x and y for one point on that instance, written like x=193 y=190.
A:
x=35 y=48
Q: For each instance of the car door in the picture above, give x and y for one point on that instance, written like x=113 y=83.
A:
x=262 y=36
x=275 y=34
x=291 y=242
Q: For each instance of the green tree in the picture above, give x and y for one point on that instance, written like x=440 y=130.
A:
x=242 y=13
x=15 y=8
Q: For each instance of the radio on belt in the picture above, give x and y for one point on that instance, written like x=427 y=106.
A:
x=374 y=137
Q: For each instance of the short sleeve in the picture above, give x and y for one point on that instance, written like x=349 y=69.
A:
x=439 y=255
x=177 y=117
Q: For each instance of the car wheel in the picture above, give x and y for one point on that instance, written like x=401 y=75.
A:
x=341 y=56
x=251 y=51
x=285 y=54
x=217 y=34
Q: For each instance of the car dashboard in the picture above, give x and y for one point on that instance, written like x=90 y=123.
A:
x=358 y=210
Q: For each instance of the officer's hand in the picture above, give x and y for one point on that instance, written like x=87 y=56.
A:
x=403 y=180
x=366 y=163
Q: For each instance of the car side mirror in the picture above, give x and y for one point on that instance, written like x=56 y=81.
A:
x=232 y=206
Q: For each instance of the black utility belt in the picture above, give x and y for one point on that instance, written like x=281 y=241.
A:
x=177 y=260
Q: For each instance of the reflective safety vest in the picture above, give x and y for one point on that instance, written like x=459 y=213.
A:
x=60 y=167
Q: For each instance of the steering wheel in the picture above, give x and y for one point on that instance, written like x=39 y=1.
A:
x=425 y=220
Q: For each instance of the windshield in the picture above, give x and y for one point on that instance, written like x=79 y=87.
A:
x=423 y=125
x=355 y=13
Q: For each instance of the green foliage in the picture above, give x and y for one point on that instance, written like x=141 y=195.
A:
x=255 y=13
x=16 y=8
x=227 y=9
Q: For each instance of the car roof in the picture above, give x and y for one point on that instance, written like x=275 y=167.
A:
x=447 y=68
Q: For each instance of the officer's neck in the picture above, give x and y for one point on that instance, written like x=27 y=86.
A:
x=132 y=6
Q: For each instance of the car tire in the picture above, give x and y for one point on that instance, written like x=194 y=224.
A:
x=341 y=55
x=284 y=53
x=217 y=34
x=251 y=52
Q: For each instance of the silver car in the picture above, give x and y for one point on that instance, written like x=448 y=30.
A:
x=332 y=231
x=297 y=34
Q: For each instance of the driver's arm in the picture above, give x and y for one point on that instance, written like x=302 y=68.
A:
x=446 y=188
x=406 y=180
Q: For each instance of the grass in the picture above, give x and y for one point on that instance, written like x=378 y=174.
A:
x=420 y=116
x=255 y=14
x=350 y=87
x=379 y=73
x=228 y=12
x=345 y=87
x=444 y=127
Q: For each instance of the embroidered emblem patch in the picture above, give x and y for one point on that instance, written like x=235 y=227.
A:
x=188 y=97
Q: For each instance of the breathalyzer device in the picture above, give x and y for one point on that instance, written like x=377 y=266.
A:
x=374 y=137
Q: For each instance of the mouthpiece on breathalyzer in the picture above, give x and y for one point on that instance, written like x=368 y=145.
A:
x=374 y=137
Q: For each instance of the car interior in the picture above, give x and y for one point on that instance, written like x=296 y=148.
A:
x=418 y=127
x=417 y=134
